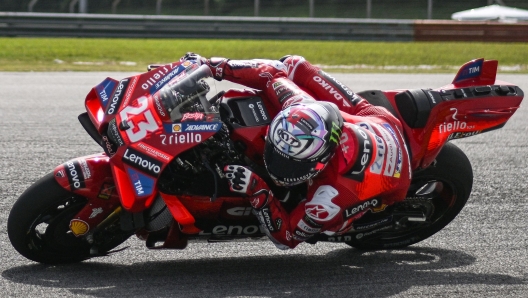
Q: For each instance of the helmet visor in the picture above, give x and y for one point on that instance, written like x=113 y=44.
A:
x=286 y=170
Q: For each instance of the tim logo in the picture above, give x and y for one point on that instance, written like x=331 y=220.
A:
x=471 y=70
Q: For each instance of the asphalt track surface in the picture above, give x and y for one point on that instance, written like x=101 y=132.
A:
x=483 y=253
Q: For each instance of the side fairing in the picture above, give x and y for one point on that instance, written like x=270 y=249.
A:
x=148 y=141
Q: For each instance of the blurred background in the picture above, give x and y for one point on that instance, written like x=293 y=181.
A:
x=377 y=9
x=122 y=35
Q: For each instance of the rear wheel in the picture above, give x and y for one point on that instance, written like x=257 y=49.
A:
x=38 y=225
x=438 y=192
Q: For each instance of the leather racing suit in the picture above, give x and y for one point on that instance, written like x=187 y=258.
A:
x=369 y=170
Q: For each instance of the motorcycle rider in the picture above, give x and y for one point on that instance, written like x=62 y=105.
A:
x=351 y=165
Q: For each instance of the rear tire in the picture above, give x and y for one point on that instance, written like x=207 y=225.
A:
x=449 y=180
x=38 y=225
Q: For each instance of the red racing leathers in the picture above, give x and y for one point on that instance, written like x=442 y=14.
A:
x=370 y=168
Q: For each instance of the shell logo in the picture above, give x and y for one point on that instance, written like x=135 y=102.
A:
x=380 y=208
x=79 y=227
x=176 y=127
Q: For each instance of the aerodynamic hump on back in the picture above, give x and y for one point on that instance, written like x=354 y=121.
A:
x=476 y=72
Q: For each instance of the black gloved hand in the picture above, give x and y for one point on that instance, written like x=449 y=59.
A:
x=242 y=180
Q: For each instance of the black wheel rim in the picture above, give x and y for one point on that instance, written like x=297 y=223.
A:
x=50 y=231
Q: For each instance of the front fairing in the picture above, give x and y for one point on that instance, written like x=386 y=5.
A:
x=149 y=120
x=90 y=177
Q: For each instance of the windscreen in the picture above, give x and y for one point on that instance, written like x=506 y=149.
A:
x=187 y=92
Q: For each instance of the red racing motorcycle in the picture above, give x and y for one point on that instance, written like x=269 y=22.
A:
x=167 y=135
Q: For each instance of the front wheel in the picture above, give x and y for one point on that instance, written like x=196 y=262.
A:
x=439 y=192
x=38 y=225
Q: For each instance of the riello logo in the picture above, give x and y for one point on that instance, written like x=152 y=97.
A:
x=156 y=75
x=453 y=126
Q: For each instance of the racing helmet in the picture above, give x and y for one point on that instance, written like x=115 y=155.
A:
x=300 y=141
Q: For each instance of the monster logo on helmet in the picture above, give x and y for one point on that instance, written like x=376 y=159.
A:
x=335 y=134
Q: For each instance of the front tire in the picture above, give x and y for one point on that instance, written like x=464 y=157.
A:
x=439 y=191
x=38 y=225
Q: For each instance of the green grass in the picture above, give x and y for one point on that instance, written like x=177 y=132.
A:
x=60 y=54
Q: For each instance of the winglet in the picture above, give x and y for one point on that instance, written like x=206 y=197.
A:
x=476 y=72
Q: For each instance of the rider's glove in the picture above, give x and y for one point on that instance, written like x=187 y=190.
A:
x=218 y=67
x=190 y=56
x=244 y=181
x=216 y=64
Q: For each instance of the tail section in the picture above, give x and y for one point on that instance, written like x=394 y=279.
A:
x=476 y=72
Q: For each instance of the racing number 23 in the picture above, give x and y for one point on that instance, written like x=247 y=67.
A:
x=145 y=125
